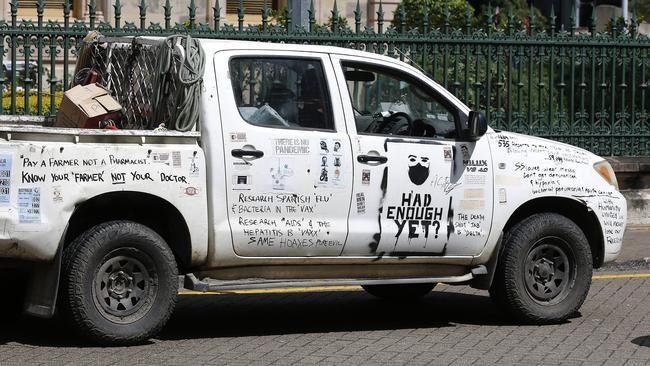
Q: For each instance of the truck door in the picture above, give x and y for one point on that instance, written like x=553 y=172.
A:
x=288 y=157
x=419 y=190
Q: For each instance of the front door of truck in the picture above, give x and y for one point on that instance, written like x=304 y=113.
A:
x=288 y=157
x=419 y=189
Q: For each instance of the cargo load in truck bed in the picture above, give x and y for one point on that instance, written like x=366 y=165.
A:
x=155 y=80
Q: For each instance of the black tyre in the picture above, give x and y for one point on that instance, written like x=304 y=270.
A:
x=409 y=291
x=544 y=271
x=119 y=283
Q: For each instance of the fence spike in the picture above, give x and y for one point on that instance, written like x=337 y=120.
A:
x=14 y=46
x=288 y=11
x=592 y=24
x=634 y=22
x=217 y=16
x=118 y=13
x=67 y=6
x=39 y=12
x=380 y=18
x=613 y=19
x=511 y=20
x=92 y=13
x=192 y=9
x=312 y=17
x=168 y=14
x=402 y=20
x=240 y=15
x=335 y=18
x=143 y=14
x=572 y=20
x=40 y=5
x=531 y=19
x=490 y=18
x=265 y=15
x=553 y=18
x=357 y=18
x=446 y=17
x=425 y=19
x=14 y=8
x=468 y=19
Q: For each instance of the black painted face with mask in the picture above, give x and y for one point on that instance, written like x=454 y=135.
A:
x=418 y=169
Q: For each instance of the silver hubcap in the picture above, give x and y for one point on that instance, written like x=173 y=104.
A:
x=549 y=270
x=123 y=285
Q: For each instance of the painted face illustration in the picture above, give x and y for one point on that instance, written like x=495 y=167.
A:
x=323 y=146
x=418 y=169
x=464 y=151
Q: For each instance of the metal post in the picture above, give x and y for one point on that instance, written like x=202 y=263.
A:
x=624 y=7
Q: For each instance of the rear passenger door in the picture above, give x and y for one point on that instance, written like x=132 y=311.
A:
x=288 y=157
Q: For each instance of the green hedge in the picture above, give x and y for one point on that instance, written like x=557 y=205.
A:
x=33 y=102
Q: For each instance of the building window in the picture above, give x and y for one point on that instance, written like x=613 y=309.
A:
x=251 y=7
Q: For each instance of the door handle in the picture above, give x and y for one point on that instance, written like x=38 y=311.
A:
x=251 y=154
x=365 y=159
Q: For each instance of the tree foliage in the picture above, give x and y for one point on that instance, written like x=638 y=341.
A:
x=642 y=9
x=458 y=10
x=414 y=13
x=500 y=10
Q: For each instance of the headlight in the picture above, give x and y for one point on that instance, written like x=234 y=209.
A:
x=605 y=170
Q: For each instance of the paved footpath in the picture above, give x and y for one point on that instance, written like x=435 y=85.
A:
x=452 y=325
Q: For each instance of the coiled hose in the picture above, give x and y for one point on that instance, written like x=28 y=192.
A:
x=187 y=109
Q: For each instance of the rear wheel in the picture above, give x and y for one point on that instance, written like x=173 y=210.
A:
x=400 y=292
x=544 y=272
x=119 y=283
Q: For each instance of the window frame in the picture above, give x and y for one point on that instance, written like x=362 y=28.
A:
x=326 y=86
x=413 y=80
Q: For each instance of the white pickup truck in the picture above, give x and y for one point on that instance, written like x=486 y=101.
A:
x=312 y=166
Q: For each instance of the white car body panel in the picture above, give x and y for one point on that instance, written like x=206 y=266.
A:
x=49 y=179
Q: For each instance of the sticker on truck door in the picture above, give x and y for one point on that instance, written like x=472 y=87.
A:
x=415 y=212
x=5 y=178
x=29 y=205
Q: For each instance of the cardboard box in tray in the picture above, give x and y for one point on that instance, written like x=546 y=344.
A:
x=85 y=106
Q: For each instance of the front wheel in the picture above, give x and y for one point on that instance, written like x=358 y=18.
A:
x=544 y=272
x=119 y=283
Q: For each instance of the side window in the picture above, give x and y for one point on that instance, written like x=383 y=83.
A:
x=388 y=102
x=281 y=92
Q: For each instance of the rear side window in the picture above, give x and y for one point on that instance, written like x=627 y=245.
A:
x=281 y=92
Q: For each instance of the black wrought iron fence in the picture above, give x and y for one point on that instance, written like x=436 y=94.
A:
x=587 y=88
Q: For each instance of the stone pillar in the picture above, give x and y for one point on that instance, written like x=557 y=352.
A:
x=300 y=13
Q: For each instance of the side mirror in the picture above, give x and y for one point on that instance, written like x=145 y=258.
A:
x=477 y=125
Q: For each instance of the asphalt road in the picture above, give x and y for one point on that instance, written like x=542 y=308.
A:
x=452 y=325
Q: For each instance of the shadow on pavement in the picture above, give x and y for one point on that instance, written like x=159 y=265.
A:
x=205 y=316
x=208 y=316
x=642 y=341
x=37 y=332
